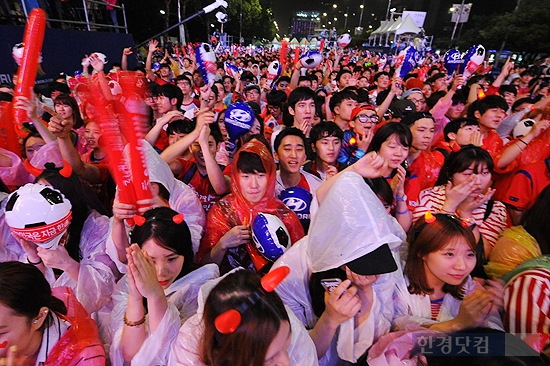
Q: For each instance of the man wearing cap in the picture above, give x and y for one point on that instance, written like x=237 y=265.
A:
x=357 y=139
x=416 y=96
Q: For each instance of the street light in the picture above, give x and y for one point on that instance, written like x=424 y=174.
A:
x=334 y=6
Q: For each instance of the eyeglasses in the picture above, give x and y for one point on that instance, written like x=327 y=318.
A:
x=418 y=101
x=363 y=118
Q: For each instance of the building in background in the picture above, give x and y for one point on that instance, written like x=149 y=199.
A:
x=303 y=23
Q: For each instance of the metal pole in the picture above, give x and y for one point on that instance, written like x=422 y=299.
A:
x=24 y=8
x=124 y=15
x=346 y=16
x=388 y=11
x=457 y=19
x=182 y=30
x=86 y=15
x=361 y=16
x=241 y=23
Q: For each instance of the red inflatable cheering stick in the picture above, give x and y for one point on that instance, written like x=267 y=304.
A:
x=115 y=147
x=26 y=75
x=135 y=118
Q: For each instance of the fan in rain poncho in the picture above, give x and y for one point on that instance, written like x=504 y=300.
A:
x=351 y=223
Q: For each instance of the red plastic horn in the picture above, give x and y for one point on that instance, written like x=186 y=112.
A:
x=429 y=218
x=228 y=322
x=178 y=219
x=271 y=280
x=4 y=344
x=139 y=220
x=65 y=172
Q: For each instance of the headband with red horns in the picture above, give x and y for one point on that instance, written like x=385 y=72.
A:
x=140 y=220
x=230 y=320
x=65 y=171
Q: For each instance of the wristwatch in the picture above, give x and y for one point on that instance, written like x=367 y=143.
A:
x=402 y=198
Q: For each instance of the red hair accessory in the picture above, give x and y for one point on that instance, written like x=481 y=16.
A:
x=65 y=171
x=230 y=320
x=532 y=107
x=178 y=219
x=140 y=220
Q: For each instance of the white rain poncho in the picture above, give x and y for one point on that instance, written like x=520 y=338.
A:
x=96 y=277
x=182 y=200
x=350 y=223
x=185 y=350
x=412 y=312
x=182 y=304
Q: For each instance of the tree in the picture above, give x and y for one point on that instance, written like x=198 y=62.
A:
x=525 y=29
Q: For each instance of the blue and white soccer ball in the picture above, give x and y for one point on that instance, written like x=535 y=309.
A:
x=311 y=59
x=270 y=236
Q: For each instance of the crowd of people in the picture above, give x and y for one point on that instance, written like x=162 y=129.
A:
x=393 y=206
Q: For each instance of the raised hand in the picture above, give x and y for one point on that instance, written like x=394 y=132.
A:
x=143 y=272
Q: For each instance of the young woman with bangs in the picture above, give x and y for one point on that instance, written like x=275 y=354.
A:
x=438 y=292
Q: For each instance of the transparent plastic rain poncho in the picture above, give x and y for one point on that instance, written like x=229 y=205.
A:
x=182 y=304
x=185 y=350
x=350 y=222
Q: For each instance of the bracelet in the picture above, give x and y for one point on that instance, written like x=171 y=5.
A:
x=34 y=264
x=134 y=324
x=402 y=212
x=518 y=145
x=523 y=142
x=359 y=153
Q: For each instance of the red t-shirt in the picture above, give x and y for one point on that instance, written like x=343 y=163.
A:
x=200 y=184
x=527 y=184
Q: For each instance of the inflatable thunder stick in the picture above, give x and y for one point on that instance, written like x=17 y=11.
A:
x=115 y=148
x=26 y=75
x=258 y=261
x=135 y=118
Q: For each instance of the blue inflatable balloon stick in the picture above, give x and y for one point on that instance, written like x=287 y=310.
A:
x=452 y=60
x=298 y=199
x=239 y=118
x=471 y=60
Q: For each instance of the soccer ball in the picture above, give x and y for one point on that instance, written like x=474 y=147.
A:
x=39 y=214
x=344 y=40
x=311 y=59
x=99 y=55
x=270 y=236
x=523 y=127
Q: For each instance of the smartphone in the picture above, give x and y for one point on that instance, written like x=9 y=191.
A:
x=330 y=283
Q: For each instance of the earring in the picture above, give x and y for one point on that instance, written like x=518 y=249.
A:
x=36 y=321
x=45 y=311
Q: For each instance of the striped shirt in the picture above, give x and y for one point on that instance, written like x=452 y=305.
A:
x=432 y=199
x=435 y=307
x=527 y=302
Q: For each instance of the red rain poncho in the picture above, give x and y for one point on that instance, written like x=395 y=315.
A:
x=234 y=209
